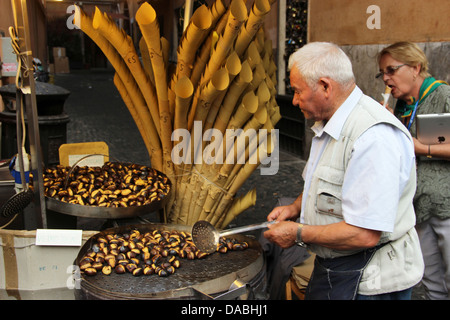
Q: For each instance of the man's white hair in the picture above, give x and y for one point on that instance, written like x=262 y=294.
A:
x=322 y=60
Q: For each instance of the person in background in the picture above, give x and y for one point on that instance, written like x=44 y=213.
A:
x=356 y=211
x=404 y=68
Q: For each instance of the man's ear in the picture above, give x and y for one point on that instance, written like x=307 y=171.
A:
x=325 y=85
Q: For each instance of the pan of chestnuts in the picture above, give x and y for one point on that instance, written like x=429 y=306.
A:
x=160 y=261
x=113 y=191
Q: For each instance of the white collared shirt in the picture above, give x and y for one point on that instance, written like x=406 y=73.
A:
x=376 y=172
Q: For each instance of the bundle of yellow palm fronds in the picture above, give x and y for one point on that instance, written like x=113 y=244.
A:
x=202 y=123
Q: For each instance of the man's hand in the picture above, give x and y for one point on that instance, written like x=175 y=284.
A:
x=283 y=233
x=283 y=213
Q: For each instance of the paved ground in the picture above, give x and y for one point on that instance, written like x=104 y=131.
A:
x=97 y=113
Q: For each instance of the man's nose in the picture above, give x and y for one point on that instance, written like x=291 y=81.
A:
x=295 y=100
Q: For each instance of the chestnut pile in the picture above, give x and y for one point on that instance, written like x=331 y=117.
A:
x=112 y=185
x=156 y=252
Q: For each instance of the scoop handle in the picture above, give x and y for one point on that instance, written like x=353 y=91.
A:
x=246 y=228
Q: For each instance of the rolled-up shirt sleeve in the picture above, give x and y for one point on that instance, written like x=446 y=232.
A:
x=377 y=172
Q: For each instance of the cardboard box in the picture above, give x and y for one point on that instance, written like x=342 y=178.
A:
x=59 y=52
x=29 y=272
x=62 y=65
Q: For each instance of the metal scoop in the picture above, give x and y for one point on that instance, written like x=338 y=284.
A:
x=17 y=203
x=206 y=237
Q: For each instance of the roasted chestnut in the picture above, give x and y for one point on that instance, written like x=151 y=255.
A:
x=137 y=272
x=111 y=262
x=190 y=255
x=90 y=271
x=123 y=262
x=145 y=256
x=120 y=269
x=176 y=263
x=170 y=270
x=200 y=255
x=130 y=267
x=106 y=270
x=97 y=265
x=222 y=249
x=84 y=265
x=148 y=270
x=162 y=273
x=121 y=256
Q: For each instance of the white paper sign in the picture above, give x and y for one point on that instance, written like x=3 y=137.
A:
x=58 y=237
x=96 y=160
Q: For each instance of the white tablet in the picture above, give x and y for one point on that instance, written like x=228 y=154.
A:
x=433 y=128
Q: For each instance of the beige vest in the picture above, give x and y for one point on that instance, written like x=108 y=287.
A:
x=396 y=266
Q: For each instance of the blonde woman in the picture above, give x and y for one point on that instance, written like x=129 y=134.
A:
x=404 y=68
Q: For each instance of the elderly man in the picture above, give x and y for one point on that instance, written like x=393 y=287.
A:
x=356 y=209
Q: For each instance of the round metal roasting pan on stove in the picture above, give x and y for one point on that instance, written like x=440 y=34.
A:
x=87 y=211
x=102 y=212
x=212 y=275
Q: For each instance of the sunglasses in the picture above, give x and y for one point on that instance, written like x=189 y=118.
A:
x=390 y=70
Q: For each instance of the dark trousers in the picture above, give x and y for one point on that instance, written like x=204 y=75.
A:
x=338 y=278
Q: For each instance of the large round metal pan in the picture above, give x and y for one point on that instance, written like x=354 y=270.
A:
x=103 y=212
x=106 y=212
x=211 y=275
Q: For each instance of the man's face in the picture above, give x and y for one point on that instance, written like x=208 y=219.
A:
x=311 y=102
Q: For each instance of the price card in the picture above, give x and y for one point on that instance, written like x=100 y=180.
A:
x=58 y=237
x=89 y=160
